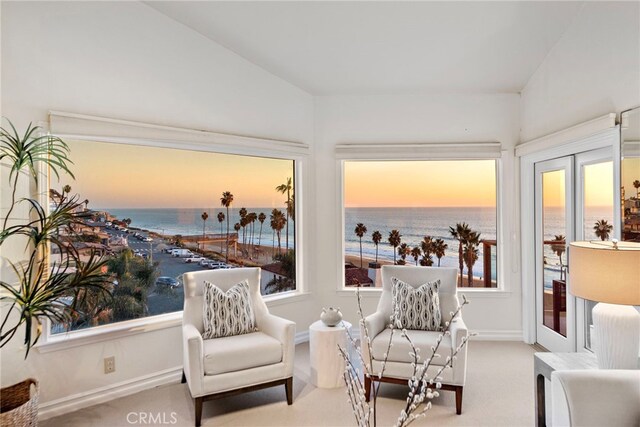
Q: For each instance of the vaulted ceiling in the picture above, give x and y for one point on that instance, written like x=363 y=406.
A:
x=386 y=47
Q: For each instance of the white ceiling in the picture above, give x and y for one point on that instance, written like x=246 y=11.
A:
x=383 y=47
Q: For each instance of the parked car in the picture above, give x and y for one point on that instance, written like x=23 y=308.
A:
x=182 y=253
x=167 y=281
x=215 y=265
x=147 y=239
x=193 y=259
x=212 y=263
x=204 y=262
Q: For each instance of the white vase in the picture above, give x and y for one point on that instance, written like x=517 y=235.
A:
x=331 y=316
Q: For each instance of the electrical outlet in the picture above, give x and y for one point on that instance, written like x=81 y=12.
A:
x=109 y=364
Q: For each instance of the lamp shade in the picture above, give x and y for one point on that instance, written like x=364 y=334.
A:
x=605 y=271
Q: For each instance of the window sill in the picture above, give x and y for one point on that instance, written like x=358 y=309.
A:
x=118 y=330
x=109 y=332
x=469 y=292
x=286 y=298
x=485 y=293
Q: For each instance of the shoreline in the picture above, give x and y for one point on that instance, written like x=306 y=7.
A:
x=478 y=282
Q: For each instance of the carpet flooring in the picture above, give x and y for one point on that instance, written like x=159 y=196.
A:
x=499 y=391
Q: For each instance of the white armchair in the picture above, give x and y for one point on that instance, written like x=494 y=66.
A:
x=398 y=368
x=222 y=367
x=594 y=397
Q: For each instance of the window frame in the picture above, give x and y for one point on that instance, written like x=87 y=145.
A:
x=433 y=152
x=71 y=126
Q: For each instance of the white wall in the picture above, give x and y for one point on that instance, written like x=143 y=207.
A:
x=415 y=118
x=125 y=60
x=594 y=69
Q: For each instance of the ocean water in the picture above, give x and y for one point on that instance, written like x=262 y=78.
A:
x=413 y=224
x=554 y=224
x=189 y=222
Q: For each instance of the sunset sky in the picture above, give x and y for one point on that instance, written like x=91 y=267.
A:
x=598 y=188
x=127 y=176
x=420 y=183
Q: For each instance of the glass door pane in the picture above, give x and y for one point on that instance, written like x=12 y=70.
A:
x=595 y=217
x=555 y=307
x=554 y=235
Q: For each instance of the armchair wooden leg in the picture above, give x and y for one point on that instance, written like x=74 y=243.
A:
x=288 y=387
x=459 y=400
x=198 y=405
x=184 y=378
x=367 y=387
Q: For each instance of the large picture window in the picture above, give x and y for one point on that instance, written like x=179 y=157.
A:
x=157 y=213
x=427 y=213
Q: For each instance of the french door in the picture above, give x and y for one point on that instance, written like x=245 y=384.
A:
x=573 y=194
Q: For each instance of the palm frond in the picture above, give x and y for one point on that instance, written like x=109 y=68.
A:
x=24 y=152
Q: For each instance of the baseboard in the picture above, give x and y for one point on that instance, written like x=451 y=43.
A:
x=498 y=335
x=78 y=401
x=486 y=335
x=302 y=337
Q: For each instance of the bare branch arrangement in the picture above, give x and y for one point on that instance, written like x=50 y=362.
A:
x=422 y=388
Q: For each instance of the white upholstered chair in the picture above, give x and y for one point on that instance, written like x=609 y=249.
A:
x=221 y=367
x=398 y=368
x=594 y=397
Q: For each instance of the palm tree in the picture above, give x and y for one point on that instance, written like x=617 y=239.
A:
x=252 y=217
x=636 y=185
x=236 y=227
x=415 y=253
x=470 y=252
x=261 y=218
x=204 y=217
x=470 y=258
x=439 y=249
x=360 y=230
x=603 y=229
x=291 y=207
x=558 y=247
x=288 y=283
x=460 y=233
x=427 y=248
x=377 y=238
x=243 y=224
x=286 y=188
x=226 y=200
x=403 y=251
x=278 y=222
x=221 y=220
x=394 y=240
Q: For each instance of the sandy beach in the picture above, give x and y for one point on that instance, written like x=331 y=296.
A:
x=263 y=254
x=355 y=260
x=248 y=255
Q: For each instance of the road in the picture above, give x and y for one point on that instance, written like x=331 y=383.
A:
x=161 y=300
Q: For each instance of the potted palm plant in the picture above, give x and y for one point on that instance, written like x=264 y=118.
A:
x=51 y=279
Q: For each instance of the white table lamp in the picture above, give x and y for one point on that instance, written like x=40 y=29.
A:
x=609 y=273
